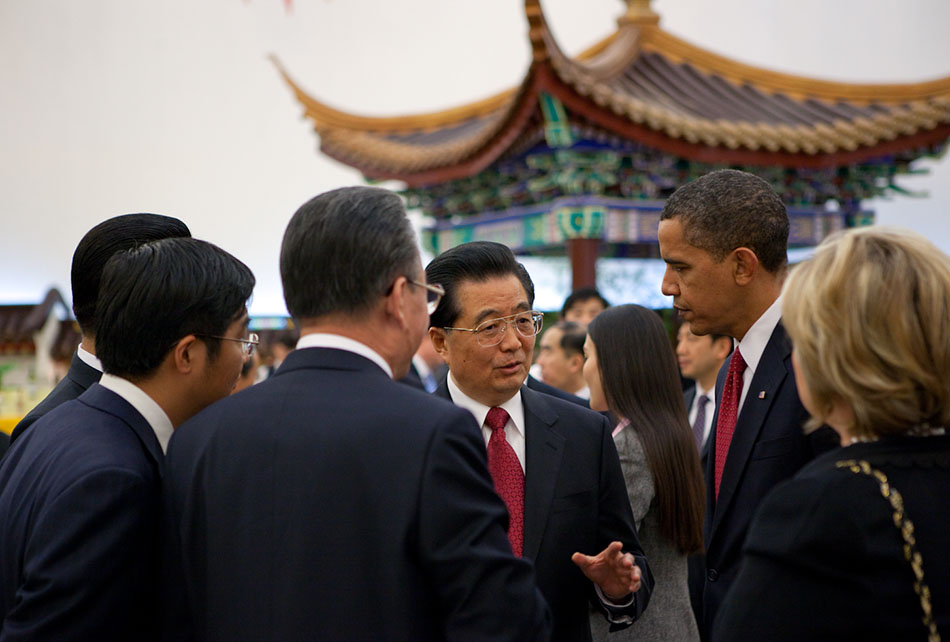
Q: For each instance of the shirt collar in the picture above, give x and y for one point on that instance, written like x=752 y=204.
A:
x=710 y=394
x=146 y=406
x=339 y=342
x=514 y=406
x=753 y=343
x=89 y=358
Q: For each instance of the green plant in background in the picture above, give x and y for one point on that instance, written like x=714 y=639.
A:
x=3 y=369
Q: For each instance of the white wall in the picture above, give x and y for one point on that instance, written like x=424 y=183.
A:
x=116 y=106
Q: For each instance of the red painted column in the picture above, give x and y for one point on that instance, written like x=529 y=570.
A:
x=583 y=255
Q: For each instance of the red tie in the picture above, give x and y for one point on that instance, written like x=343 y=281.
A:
x=508 y=476
x=728 y=412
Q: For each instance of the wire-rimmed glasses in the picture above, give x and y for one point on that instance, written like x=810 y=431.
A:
x=434 y=293
x=247 y=345
x=491 y=332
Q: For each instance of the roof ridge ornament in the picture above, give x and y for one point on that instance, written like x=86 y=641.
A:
x=639 y=12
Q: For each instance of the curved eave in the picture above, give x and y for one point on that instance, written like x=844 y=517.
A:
x=651 y=134
x=326 y=117
x=653 y=38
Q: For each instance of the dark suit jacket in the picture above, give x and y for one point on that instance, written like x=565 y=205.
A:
x=696 y=563
x=330 y=502
x=575 y=501
x=77 y=380
x=768 y=446
x=688 y=395
x=79 y=522
x=824 y=560
x=548 y=389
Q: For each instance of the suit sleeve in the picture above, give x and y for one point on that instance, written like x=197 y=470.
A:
x=486 y=593
x=89 y=567
x=616 y=523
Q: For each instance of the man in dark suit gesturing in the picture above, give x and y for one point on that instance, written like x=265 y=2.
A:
x=554 y=463
x=109 y=237
x=724 y=238
x=79 y=491
x=330 y=501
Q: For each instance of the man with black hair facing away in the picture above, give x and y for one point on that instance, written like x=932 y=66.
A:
x=109 y=237
x=80 y=502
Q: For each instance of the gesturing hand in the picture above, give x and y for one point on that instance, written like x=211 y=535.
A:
x=612 y=570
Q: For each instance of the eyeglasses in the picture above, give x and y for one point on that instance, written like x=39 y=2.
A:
x=490 y=333
x=248 y=344
x=434 y=293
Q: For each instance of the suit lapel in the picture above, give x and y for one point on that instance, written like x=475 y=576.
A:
x=544 y=448
x=762 y=392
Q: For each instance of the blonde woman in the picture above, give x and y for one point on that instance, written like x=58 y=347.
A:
x=857 y=545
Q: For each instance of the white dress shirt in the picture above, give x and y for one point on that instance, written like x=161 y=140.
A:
x=89 y=359
x=514 y=429
x=753 y=344
x=146 y=406
x=338 y=342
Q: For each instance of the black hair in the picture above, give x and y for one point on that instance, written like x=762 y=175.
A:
x=156 y=294
x=579 y=296
x=116 y=234
x=477 y=261
x=343 y=249
x=573 y=336
x=641 y=384
x=728 y=209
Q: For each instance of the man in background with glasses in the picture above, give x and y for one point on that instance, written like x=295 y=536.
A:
x=331 y=502
x=553 y=462
x=80 y=507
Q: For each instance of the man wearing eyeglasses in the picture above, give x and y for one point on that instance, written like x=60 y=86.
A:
x=553 y=462
x=80 y=508
x=331 y=502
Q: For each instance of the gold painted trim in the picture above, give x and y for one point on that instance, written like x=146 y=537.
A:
x=678 y=50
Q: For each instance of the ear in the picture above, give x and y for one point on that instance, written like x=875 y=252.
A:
x=839 y=415
x=397 y=299
x=187 y=353
x=437 y=337
x=722 y=347
x=575 y=362
x=746 y=264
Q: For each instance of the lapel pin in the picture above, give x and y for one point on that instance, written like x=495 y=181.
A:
x=762 y=395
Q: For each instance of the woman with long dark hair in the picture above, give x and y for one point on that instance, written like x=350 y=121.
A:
x=631 y=372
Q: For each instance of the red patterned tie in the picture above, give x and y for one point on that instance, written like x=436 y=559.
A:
x=508 y=476
x=728 y=412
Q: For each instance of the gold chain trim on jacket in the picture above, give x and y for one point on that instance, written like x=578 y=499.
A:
x=906 y=528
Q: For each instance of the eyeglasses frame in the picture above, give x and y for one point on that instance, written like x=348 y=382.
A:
x=539 y=323
x=252 y=340
x=435 y=289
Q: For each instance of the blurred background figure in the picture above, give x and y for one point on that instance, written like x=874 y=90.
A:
x=562 y=358
x=427 y=369
x=631 y=372
x=855 y=546
x=700 y=359
x=583 y=305
x=283 y=345
x=248 y=373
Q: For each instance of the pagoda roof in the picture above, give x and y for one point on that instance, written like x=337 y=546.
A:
x=644 y=84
